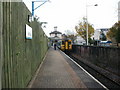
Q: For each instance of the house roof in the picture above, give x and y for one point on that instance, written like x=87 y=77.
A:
x=55 y=32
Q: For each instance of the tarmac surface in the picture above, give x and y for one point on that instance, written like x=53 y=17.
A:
x=57 y=71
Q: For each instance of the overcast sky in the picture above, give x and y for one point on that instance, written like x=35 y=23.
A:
x=65 y=14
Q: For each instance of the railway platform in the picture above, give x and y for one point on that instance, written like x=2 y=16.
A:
x=59 y=71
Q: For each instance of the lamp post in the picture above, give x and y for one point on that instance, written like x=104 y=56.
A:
x=87 y=20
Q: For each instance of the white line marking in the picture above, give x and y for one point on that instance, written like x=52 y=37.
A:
x=86 y=71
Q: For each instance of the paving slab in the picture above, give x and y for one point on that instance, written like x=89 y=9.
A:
x=56 y=72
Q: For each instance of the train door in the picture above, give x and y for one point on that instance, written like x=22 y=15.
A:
x=69 y=44
x=66 y=45
x=63 y=45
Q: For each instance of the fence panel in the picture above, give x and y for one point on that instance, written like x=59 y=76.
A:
x=21 y=57
x=107 y=58
x=1 y=41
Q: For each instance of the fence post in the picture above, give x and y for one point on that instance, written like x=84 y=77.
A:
x=1 y=43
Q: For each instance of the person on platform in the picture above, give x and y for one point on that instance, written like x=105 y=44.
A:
x=55 y=46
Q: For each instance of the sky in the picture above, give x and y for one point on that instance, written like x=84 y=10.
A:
x=66 y=14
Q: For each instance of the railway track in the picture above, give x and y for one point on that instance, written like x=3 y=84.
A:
x=100 y=77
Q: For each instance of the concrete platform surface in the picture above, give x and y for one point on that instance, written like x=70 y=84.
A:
x=59 y=71
x=55 y=72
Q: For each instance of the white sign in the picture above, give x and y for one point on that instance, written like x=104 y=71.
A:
x=28 y=32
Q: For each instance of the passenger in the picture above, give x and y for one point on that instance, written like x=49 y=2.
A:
x=55 y=46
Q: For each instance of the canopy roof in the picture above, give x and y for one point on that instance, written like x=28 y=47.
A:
x=55 y=32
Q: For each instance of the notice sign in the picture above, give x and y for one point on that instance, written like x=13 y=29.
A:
x=28 y=32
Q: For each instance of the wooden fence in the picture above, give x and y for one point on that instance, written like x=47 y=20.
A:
x=21 y=57
x=1 y=44
x=107 y=59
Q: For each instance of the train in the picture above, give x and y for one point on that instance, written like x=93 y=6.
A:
x=65 y=44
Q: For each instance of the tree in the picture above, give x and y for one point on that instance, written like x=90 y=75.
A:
x=72 y=37
x=91 y=41
x=114 y=32
x=70 y=34
x=111 y=33
x=81 y=29
x=118 y=36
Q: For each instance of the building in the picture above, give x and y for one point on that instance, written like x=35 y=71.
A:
x=79 y=40
x=97 y=33
x=55 y=36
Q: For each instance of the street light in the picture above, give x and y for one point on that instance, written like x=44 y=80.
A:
x=87 y=20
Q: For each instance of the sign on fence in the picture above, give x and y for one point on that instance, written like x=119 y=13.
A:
x=28 y=32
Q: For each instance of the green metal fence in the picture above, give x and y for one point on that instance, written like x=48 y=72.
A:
x=21 y=57
x=1 y=41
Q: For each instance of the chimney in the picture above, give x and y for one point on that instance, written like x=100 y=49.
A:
x=55 y=28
